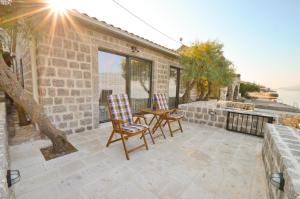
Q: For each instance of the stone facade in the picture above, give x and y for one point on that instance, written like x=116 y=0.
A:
x=204 y=113
x=4 y=191
x=67 y=69
x=281 y=153
x=236 y=105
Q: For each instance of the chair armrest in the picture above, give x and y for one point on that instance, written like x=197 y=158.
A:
x=117 y=124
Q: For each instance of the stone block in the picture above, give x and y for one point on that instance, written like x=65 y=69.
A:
x=63 y=92
x=74 y=65
x=58 y=100
x=206 y=117
x=70 y=83
x=63 y=125
x=79 y=130
x=80 y=57
x=59 y=62
x=77 y=74
x=68 y=117
x=57 y=52
x=58 y=83
x=87 y=75
x=59 y=109
x=79 y=83
x=75 y=92
x=85 y=122
x=47 y=101
x=80 y=100
x=44 y=82
x=70 y=54
x=85 y=107
x=75 y=46
x=66 y=73
x=85 y=66
x=73 y=108
x=69 y=100
x=73 y=124
x=46 y=71
x=51 y=92
x=85 y=48
x=67 y=44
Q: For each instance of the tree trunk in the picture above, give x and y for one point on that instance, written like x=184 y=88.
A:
x=10 y=85
x=209 y=88
x=22 y=116
x=201 y=94
x=187 y=94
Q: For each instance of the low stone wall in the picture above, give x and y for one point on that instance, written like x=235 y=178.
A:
x=204 y=113
x=235 y=105
x=281 y=153
x=4 y=191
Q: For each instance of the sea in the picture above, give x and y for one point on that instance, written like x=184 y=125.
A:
x=289 y=97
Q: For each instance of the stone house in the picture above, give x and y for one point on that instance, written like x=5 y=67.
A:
x=72 y=61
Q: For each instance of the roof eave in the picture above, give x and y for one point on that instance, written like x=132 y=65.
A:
x=123 y=34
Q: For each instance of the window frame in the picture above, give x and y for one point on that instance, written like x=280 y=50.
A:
x=127 y=78
x=178 y=70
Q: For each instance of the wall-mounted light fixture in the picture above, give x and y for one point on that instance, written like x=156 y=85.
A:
x=277 y=180
x=134 y=49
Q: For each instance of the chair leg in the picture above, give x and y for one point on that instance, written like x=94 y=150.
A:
x=124 y=145
x=170 y=128
x=180 y=126
x=151 y=136
x=146 y=121
x=146 y=145
x=109 y=140
x=164 y=124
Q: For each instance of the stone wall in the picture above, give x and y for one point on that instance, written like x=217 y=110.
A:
x=68 y=76
x=4 y=191
x=281 y=153
x=235 y=105
x=204 y=113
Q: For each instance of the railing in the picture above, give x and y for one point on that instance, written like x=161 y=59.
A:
x=248 y=123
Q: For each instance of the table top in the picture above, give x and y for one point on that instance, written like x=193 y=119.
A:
x=155 y=112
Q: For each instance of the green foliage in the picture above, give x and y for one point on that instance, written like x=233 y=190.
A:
x=205 y=62
x=248 y=87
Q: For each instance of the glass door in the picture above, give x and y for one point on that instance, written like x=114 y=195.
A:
x=122 y=74
x=140 y=84
x=112 y=79
x=174 y=87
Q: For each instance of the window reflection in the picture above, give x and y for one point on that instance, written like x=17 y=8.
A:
x=111 y=79
x=114 y=79
x=140 y=81
x=173 y=87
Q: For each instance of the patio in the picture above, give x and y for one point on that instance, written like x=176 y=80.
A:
x=202 y=162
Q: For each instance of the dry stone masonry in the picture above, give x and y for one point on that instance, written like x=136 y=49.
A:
x=281 y=153
x=4 y=191
x=204 y=113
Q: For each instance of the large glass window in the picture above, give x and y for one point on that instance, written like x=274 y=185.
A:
x=174 y=87
x=140 y=84
x=120 y=74
x=112 y=79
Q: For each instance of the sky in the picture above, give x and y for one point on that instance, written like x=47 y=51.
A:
x=261 y=38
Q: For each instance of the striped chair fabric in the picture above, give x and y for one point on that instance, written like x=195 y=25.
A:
x=120 y=110
x=161 y=100
x=162 y=104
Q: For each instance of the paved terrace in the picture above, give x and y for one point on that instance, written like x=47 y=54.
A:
x=202 y=162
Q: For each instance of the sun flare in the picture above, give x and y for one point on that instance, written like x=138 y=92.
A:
x=58 y=6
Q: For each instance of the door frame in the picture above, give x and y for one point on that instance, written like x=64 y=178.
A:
x=177 y=84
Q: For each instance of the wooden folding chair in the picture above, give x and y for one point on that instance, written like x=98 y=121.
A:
x=171 y=115
x=123 y=124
